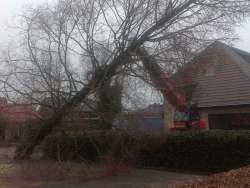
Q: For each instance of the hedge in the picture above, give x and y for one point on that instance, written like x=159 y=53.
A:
x=210 y=151
x=76 y=146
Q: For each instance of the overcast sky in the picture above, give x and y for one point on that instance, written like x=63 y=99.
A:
x=9 y=9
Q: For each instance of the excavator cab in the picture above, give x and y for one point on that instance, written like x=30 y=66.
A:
x=188 y=120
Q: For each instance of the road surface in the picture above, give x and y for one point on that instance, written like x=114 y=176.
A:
x=26 y=175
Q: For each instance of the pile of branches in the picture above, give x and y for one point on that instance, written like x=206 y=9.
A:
x=235 y=178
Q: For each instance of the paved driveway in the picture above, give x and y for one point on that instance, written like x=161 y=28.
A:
x=142 y=179
x=137 y=178
x=10 y=177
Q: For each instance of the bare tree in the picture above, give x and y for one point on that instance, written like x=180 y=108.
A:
x=73 y=47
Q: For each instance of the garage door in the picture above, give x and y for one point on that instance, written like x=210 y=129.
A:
x=229 y=121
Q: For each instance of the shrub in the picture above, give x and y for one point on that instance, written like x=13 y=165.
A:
x=29 y=129
x=92 y=145
x=84 y=146
x=202 y=151
x=126 y=146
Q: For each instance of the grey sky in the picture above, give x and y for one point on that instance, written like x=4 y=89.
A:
x=9 y=9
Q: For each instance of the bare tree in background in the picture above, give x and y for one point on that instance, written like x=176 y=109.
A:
x=72 y=48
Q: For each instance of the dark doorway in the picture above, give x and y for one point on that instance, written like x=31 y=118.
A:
x=229 y=121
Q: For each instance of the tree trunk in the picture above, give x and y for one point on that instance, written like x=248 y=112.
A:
x=159 y=79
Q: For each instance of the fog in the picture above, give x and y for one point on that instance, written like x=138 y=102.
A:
x=11 y=9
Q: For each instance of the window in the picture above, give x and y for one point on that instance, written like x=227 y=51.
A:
x=181 y=116
x=195 y=116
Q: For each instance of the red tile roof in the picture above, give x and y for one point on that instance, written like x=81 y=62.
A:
x=17 y=112
x=220 y=75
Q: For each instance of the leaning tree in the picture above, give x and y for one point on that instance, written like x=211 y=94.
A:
x=71 y=48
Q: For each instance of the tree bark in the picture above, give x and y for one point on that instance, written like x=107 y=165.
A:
x=160 y=80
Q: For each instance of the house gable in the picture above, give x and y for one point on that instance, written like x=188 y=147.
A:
x=220 y=75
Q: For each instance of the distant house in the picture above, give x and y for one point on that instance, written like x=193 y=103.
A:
x=13 y=117
x=85 y=110
x=149 y=119
x=217 y=81
x=82 y=117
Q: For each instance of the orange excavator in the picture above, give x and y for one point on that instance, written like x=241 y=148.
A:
x=186 y=115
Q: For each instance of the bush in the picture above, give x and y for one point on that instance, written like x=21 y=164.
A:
x=92 y=146
x=126 y=146
x=202 y=151
x=85 y=146
x=29 y=130
x=212 y=151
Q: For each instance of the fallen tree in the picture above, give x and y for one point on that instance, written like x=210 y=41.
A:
x=25 y=149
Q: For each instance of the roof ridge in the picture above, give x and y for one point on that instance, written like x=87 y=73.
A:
x=213 y=90
x=237 y=59
x=236 y=50
x=245 y=53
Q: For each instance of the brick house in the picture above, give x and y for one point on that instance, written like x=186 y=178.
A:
x=149 y=119
x=82 y=117
x=217 y=82
x=13 y=117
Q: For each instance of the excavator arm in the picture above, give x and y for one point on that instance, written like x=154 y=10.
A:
x=161 y=80
x=171 y=94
